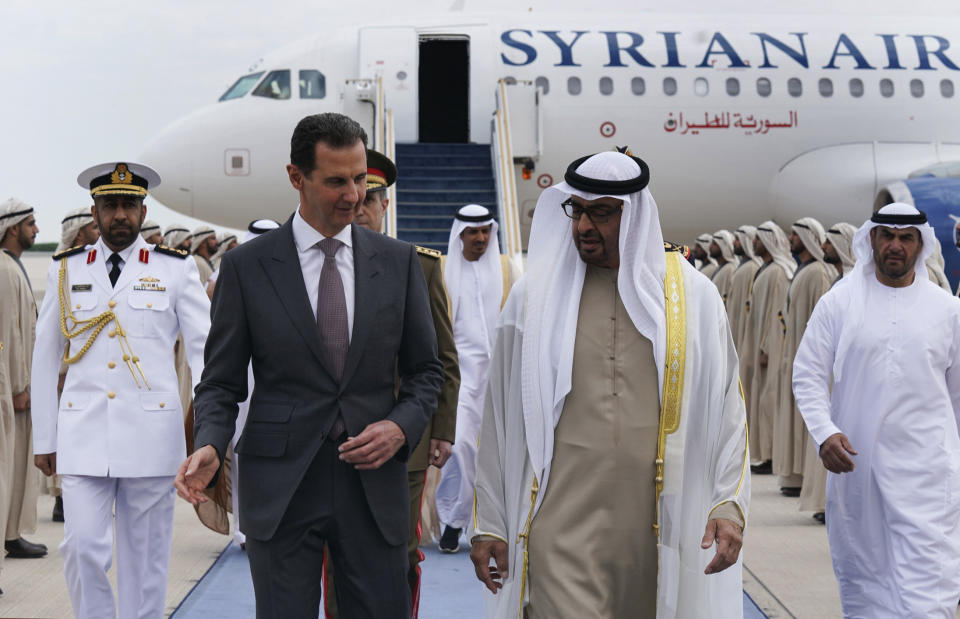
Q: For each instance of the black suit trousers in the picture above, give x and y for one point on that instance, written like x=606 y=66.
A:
x=329 y=506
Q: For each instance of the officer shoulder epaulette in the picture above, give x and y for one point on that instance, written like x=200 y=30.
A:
x=683 y=250
x=68 y=252
x=426 y=251
x=170 y=251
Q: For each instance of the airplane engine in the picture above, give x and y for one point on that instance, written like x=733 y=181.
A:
x=939 y=198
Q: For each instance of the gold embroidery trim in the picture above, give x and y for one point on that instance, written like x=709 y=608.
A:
x=673 y=372
x=525 y=536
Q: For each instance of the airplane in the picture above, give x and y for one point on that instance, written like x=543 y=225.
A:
x=740 y=118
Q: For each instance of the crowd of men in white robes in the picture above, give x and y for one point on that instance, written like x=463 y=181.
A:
x=770 y=280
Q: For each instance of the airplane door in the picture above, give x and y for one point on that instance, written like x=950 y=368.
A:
x=445 y=89
x=392 y=52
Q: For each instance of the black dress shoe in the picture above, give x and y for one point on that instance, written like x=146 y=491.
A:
x=791 y=492
x=820 y=517
x=450 y=540
x=764 y=468
x=58 y=510
x=22 y=549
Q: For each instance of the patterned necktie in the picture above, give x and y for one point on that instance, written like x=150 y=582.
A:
x=332 y=309
x=115 y=271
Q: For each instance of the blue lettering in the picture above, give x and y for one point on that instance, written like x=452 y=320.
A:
x=614 y=48
x=725 y=48
x=509 y=41
x=673 y=56
x=924 y=54
x=852 y=50
x=566 y=49
x=799 y=56
x=893 y=59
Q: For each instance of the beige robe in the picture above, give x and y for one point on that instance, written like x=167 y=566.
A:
x=593 y=550
x=764 y=335
x=18 y=321
x=204 y=267
x=809 y=284
x=708 y=269
x=741 y=284
x=723 y=279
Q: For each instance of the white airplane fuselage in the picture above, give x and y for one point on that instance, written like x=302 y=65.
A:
x=740 y=118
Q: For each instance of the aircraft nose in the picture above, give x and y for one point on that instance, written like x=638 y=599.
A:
x=170 y=154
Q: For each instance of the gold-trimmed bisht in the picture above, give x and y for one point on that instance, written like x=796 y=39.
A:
x=675 y=364
x=95 y=325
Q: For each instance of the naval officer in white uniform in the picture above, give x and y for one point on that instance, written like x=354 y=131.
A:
x=112 y=312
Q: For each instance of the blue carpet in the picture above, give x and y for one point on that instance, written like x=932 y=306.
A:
x=449 y=589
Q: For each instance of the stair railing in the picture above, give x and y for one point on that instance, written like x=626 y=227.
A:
x=390 y=144
x=506 y=181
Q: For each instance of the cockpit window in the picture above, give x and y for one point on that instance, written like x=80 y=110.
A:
x=242 y=86
x=313 y=85
x=275 y=86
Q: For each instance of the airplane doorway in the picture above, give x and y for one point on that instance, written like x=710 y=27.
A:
x=444 y=98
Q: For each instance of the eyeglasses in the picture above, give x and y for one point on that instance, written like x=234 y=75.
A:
x=597 y=215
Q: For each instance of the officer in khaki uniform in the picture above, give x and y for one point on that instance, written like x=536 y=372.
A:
x=436 y=445
x=112 y=312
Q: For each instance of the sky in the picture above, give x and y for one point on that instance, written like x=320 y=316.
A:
x=93 y=81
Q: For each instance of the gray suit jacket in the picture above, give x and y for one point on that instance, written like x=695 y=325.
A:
x=261 y=311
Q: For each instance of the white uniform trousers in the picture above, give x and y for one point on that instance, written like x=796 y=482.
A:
x=457 y=478
x=144 y=531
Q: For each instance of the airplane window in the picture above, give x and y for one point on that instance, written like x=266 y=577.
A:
x=573 y=85
x=701 y=87
x=638 y=86
x=241 y=87
x=606 y=86
x=794 y=87
x=916 y=88
x=543 y=84
x=763 y=87
x=275 y=86
x=856 y=87
x=886 y=87
x=313 y=85
x=733 y=86
x=826 y=87
x=669 y=86
x=946 y=88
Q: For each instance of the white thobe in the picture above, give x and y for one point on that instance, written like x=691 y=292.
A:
x=470 y=334
x=705 y=462
x=894 y=522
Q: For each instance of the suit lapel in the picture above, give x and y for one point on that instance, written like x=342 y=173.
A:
x=283 y=271
x=365 y=297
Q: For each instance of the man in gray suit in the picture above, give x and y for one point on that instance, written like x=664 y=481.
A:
x=327 y=311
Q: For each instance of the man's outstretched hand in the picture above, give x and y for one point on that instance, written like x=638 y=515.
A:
x=729 y=538
x=195 y=474
x=491 y=575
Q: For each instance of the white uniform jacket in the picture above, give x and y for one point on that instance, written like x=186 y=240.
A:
x=105 y=424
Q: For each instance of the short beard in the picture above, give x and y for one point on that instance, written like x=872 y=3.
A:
x=894 y=274
x=831 y=259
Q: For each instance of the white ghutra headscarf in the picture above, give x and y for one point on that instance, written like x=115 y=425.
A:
x=812 y=235
x=70 y=225
x=491 y=273
x=554 y=283
x=724 y=240
x=841 y=237
x=746 y=234
x=775 y=240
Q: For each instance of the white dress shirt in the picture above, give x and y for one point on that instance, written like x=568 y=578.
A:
x=311 y=257
x=105 y=253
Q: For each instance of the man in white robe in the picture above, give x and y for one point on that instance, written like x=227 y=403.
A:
x=837 y=251
x=701 y=252
x=889 y=339
x=721 y=250
x=812 y=279
x=763 y=339
x=18 y=319
x=614 y=504
x=477 y=279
